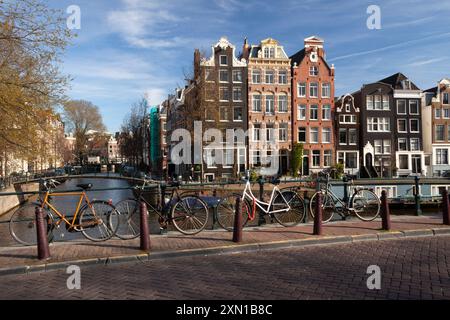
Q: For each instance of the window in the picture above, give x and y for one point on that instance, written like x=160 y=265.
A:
x=256 y=76
x=401 y=125
x=343 y=136
x=369 y=102
x=386 y=102
x=378 y=146
x=237 y=76
x=401 y=107
x=326 y=91
x=349 y=159
x=327 y=158
x=352 y=136
x=314 y=135
x=448 y=132
x=270 y=104
x=402 y=145
x=269 y=53
x=413 y=107
x=313 y=90
x=301 y=134
x=256 y=132
x=414 y=125
x=210 y=158
x=223 y=75
x=445 y=98
x=387 y=146
x=313 y=71
x=256 y=158
x=415 y=144
x=316 y=158
x=223 y=113
x=378 y=124
x=270 y=133
x=282 y=103
x=437 y=113
x=237 y=94
x=377 y=102
x=446 y=113
x=269 y=76
x=301 y=112
x=224 y=94
x=223 y=60
x=326 y=112
x=441 y=156
x=237 y=114
x=256 y=102
x=209 y=114
x=209 y=75
x=282 y=77
x=403 y=161
x=440 y=133
x=283 y=130
x=347 y=119
x=301 y=89
x=314 y=112
x=326 y=135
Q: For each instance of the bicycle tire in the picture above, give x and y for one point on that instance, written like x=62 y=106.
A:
x=366 y=205
x=22 y=225
x=129 y=219
x=189 y=215
x=328 y=207
x=226 y=212
x=293 y=216
x=103 y=211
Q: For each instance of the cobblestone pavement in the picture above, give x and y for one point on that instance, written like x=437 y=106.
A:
x=410 y=269
x=173 y=242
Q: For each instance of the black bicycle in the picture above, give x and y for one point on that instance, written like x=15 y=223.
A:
x=186 y=212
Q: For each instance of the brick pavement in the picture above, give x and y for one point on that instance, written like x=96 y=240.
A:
x=410 y=269
x=175 y=242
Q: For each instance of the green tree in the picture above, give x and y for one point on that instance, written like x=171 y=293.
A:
x=297 y=159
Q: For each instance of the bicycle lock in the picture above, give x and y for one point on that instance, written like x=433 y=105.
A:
x=41 y=232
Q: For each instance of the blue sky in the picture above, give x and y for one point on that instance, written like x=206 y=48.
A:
x=127 y=49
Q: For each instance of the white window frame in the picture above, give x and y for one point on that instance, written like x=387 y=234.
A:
x=417 y=103
x=220 y=60
x=316 y=130
x=301 y=85
x=406 y=109
x=405 y=141
x=300 y=108
x=406 y=125
x=410 y=126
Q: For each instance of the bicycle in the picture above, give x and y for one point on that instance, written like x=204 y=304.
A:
x=187 y=213
x=96 y=220
x=364 y=203
x=286 y=206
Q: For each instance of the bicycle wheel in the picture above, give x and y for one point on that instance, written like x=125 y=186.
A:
x=226 y=212
x=99 y=221
x=328 y=207
x=189 y=215
x=292 y=217
x=22 y=224
x=129 y=219
x=366 y=205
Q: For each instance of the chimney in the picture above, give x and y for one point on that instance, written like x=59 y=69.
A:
x=197 y=58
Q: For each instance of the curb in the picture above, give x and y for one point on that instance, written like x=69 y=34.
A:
x=232 y=249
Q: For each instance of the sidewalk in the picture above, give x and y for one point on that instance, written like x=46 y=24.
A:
x=24 y=259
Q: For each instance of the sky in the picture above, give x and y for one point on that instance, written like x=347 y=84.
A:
x=129 y=49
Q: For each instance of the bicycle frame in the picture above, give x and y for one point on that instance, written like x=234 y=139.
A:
x=82 y=195
x=265 y=207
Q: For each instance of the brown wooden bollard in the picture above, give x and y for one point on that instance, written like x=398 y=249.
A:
x=145 y=236
x=42 y=237
x=445 y=208
x=318 y=215
x=237 y=230
x=385 y=212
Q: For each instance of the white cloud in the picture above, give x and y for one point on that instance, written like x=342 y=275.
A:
x=155 y=96
x=425 y=62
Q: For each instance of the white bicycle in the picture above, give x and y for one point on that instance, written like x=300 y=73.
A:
x=284 y=205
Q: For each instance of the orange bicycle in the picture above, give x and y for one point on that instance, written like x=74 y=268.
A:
x=97 y=220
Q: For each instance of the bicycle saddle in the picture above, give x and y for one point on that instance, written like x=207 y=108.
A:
x=85 y=186
x=275 y=181
x=174 y=184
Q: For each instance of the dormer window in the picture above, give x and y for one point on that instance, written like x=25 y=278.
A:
x=445 y=98
x=347 y=107
x=313 y=71
x=223 y=60
x=269 y=53
x=406 y=84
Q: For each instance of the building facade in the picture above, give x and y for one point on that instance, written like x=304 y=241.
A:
x=346 y=131
x=437 y=117
x=269 y=111
x=313 y=105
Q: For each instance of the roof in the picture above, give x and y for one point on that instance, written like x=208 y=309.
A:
x=396 y=80
x=298 y=57
x=431 y=90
